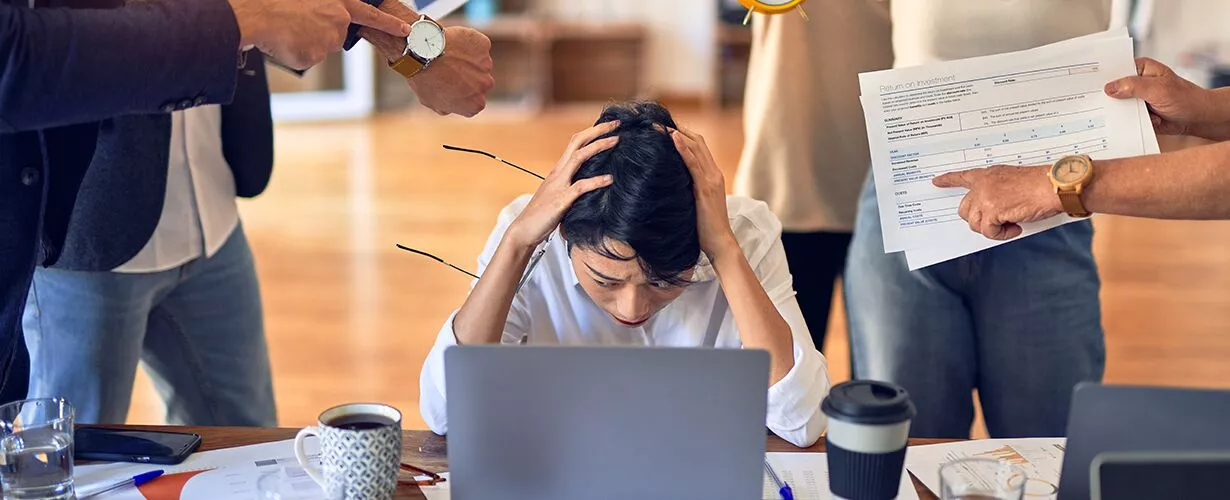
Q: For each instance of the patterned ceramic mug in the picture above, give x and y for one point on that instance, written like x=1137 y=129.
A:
x=360 y=451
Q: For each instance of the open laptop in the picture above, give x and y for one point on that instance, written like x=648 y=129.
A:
x=1126 y=424
x=556 y=423
x=1149 y=475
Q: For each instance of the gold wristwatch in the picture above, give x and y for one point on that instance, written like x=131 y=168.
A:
x=1070 y=175
x=424 y=44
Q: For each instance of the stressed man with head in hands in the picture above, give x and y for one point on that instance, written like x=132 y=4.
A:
x=650 y=251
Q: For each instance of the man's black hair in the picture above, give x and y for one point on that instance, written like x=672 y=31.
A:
x=650 y=206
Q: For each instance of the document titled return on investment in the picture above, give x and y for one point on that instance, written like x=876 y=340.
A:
x=1023 y=108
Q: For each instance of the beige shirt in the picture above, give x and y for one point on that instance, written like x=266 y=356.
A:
x=805 y=152
x=941 y=30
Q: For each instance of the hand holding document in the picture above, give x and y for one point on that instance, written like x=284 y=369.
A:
x=1031 y=107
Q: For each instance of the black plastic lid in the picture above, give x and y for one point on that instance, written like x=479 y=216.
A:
x=868 y=402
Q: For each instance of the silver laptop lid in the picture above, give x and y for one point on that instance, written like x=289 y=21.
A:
x=1150 y=475
x=1109 y=418
x=555 y=423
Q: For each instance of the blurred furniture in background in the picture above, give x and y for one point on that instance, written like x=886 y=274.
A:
x=342 y=87
x=542 y=60
x=556 y=52
x=733 y=42
x=1213 y=58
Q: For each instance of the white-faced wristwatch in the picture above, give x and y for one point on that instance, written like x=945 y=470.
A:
x=424 y=44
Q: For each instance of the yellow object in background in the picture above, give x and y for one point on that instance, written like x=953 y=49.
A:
x=772 y=7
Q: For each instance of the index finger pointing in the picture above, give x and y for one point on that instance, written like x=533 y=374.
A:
x=367 y=15
x=951 y=180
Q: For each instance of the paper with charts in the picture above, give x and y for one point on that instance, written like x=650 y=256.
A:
x=256 y=472
x=1023 y=108
x=266 y=470
x=808 y=477
x=1042 y=459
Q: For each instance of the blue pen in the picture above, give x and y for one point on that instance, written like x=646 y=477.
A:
x=782 y=487
x=135 y=481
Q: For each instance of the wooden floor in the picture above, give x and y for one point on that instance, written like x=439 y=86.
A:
x=350 y=318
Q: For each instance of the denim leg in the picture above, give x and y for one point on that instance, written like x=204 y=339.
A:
x=84 y=332
x=1039 y=324
x=910 y=328
x=206 y=343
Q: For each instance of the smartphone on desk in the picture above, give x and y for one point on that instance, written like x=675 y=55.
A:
x=145 y=447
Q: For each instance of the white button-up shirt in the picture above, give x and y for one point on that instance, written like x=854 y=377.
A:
x=199 y=213
x=552 y=308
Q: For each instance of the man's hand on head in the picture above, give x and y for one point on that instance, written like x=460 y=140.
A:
x=301 y=33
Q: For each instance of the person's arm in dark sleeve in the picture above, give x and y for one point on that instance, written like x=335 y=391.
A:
x=64 y=66
x=247 y=129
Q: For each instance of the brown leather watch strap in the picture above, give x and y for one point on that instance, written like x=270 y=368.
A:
x=1071 y=201
x=407 y=65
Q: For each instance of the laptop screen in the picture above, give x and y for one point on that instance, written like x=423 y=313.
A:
x=1172 y=476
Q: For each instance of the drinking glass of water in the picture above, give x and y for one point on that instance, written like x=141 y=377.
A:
x=982 y=479
x=36 y=449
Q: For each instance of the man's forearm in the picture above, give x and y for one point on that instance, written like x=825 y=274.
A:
x=389 y=46
x=760 y=325
x=64 y=66
x=1214 y=122
x=1191 y=183
x=481 y=319
x=1220 y=105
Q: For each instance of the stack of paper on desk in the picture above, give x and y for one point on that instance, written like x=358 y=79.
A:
x=1040 y=458
x=267 y=470
x=1023 y=108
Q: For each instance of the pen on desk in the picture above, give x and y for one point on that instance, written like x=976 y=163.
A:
x=136 y=480
x=782 y=488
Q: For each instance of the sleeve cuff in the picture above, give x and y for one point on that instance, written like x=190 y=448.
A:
x=794 y=401
x=352 y=33
x=433 y=399
x=352 y=37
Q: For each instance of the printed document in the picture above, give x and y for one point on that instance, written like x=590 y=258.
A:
x=1042 y=459
x=243 y=472
x=1023 y=108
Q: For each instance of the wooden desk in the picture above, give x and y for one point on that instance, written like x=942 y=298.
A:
x=423 y=448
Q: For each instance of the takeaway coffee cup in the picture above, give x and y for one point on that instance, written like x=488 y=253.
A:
x=869 y=424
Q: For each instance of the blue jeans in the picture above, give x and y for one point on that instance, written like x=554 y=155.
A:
x=197 y=328
x=1020 y=323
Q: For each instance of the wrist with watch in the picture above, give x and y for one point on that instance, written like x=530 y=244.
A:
x=423 y=45
x=1069 y=176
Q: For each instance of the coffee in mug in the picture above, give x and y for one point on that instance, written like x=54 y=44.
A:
x=869 y=426
x=360 y=448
